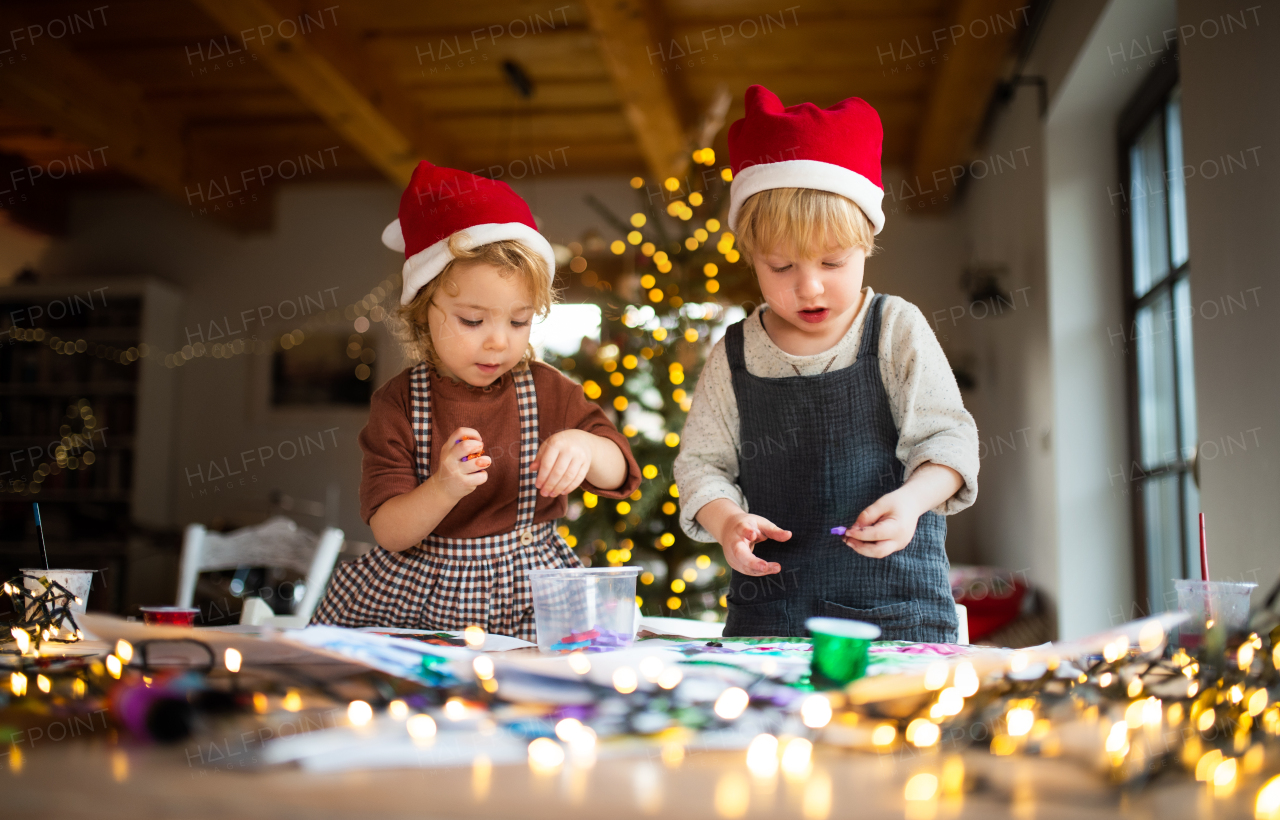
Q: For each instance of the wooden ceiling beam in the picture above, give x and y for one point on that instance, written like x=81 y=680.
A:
x=323 y=62
x=58 y=89
x=628 y=38
x=962 y=90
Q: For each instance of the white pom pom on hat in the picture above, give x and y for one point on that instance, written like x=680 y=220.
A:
x=440 y=202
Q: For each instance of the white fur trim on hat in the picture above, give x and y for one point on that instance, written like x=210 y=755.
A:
x=427 y=263
x=806 y=173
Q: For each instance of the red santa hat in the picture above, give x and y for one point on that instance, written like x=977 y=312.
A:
x=834 y=149
x=441 y=202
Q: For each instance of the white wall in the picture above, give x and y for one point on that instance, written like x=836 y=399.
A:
x=1003 y=216
x=1085 y=272
x=1231 y=91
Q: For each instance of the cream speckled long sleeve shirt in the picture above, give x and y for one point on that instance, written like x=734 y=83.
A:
x=933 y=425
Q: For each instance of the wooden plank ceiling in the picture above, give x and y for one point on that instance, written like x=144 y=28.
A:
x=196 y=98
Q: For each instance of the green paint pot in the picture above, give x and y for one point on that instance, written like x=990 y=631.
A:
x=839 y=650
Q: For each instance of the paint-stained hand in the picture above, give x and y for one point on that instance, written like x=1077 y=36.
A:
x=886 y=526
x=462 y=463
x=738 y=537
x=563 y=462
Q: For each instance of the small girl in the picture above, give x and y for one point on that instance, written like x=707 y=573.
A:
x=469 y=455
x=827 y=437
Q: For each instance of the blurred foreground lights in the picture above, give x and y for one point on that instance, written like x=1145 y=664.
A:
x=484 y=667
x=1224 y=777
x=23 y=639
x=1206 y=720
x=762 y=756
x=292 y=701
x=114 y=666
x=1257 y=702
x=966 y=679
x=232 y=659
x=950 y=703
x=359 y=713
x=670 y=678
x=1151 y=637
x=1207 y=764
x=1135 y=687
x=1118 y=738
x=1018 y=662
x=545 y=755
x=569 y=729
x=579 y=663
x=1244 y=658
x=884 y=734
x=124 y=650
x=1104 y=680
x=420 y=728
x=474 y=636
x=398 y=709
x=1116 y=649
x=796 y=757
x=651 y=668
x=1020 y=721
x=43 y=684
x=625 y=680
x=455 y=709
x=732 y=703
x=922 y=733
x=935 y=677
x=816 y=711
x=18 y=684
x=920 y=787
x=1268 y=805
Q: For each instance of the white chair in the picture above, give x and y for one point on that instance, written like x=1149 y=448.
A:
x=277 y=542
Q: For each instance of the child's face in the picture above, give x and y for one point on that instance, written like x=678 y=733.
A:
x=483 y=331
x=813 y=295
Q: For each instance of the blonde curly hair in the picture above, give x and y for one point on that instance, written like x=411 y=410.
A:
x=510 y=256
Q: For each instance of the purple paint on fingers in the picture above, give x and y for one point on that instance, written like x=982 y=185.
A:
x=839 y=530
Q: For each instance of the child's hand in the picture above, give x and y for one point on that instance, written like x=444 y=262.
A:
x=462 y=463
x=563 y=462
x=740 y=533
x=886 y=526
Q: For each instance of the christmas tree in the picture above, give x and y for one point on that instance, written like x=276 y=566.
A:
x=663 y=284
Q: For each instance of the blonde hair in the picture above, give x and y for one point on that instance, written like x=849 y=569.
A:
x=804 y=221
x=509 y=255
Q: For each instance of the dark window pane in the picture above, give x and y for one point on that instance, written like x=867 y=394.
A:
x=1156 y=417
x=1147 y=208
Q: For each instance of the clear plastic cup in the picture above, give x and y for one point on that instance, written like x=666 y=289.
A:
x=77 y=582
x=1221 y=602
x=584 y=609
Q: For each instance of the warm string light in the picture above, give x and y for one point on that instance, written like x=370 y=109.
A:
x=75 y=450
x=361 y=312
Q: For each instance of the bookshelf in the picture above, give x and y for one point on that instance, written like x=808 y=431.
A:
x=86 y=424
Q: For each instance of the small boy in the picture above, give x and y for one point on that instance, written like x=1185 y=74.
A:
x=827 y=437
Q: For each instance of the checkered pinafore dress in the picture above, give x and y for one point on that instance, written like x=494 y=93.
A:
x=452 y=583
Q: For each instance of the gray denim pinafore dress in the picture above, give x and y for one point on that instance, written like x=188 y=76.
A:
x=815 y=452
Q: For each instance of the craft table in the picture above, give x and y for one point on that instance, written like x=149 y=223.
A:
x=92 y=777
x=68 y=768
